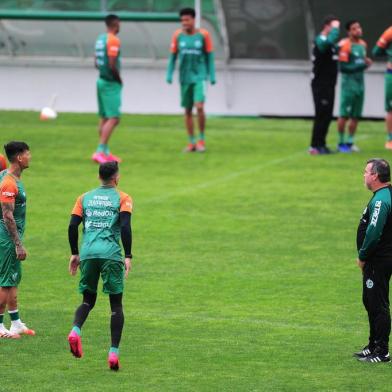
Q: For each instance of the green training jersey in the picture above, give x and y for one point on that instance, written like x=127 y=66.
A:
x=195 y=56
x=352 y=63
x=100 y=211
x=12 y=191
x=384 y=45
x=374 y=235
x=107 y=45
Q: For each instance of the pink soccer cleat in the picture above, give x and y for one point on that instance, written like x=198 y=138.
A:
x=75 y=344
x=114 y=158
x=201 y=146
x=99 y=157
x=113 y=362
x=190 y=148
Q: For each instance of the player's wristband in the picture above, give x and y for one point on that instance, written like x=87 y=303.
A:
x=128 y=256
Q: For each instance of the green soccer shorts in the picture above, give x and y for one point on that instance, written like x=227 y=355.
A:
x=111 y=271
x=192 y=93
x=388 y=91
x=10 y=266
x=351 y=103
x=109 y=98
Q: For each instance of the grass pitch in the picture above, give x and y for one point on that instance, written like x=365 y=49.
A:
x=244 y=275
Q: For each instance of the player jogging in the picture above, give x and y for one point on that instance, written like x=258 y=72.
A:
x=109 y=86
x=382 y=48
x=12 y=226
x=353 y=62
x=106 y=216
x=196 y=63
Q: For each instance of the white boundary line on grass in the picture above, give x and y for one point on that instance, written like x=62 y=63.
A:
x=223 y=179
x=231 y=176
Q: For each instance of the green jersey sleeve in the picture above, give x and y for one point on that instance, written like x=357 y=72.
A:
x=324 y=42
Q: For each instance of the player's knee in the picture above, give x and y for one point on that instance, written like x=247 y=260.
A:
x=200 y=109
x=89 y=299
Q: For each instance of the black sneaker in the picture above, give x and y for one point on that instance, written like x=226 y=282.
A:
x=367 y=350
x=376 y=357
x=324 y=150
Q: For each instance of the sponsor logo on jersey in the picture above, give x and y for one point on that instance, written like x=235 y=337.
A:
x=8 y=194
x=376 y=213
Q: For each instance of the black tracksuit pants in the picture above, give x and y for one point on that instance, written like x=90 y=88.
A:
x=323 y=98
x=375 y=296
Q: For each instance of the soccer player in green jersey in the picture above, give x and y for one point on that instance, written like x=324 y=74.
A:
x=109 y=86
x=352 y=62
x=12 y=226
x=196 y=64
x=106 y=216
x=384 y=48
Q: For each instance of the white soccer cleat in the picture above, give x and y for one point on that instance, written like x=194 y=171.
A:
x=6 y=334
x=20 y=328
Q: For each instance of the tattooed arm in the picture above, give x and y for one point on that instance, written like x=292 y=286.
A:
x=8 y=216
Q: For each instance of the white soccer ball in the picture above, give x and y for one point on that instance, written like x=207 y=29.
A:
x=48 y=114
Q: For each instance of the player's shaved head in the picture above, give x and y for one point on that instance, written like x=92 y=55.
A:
x=188 y=12
x=13 y=149
x=108 y=171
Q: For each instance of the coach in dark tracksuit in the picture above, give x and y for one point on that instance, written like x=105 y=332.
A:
x=324 y=75
x=374 y=243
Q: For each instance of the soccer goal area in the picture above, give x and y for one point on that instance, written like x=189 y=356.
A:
x=262 y=50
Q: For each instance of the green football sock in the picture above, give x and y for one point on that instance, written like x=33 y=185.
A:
x=350 y=139
x=115 y=350
x=1 y=318
x=192 y=139
x=103 y=148
x=389 y=136
x=202 y=136
x=14 y=314
x=77 y=330
x=341 y=137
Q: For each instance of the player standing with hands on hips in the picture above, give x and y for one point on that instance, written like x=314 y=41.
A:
x=374 y=243
x=196 y=57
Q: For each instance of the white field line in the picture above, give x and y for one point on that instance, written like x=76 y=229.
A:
x=231 y=176
x=222 y=179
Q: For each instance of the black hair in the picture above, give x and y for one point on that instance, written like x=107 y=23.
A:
x=107 y=170
x=328 y=19
x=12 y=149
x=381 y=168
x=350 y=23
x=188 y=12
x=110 y=19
